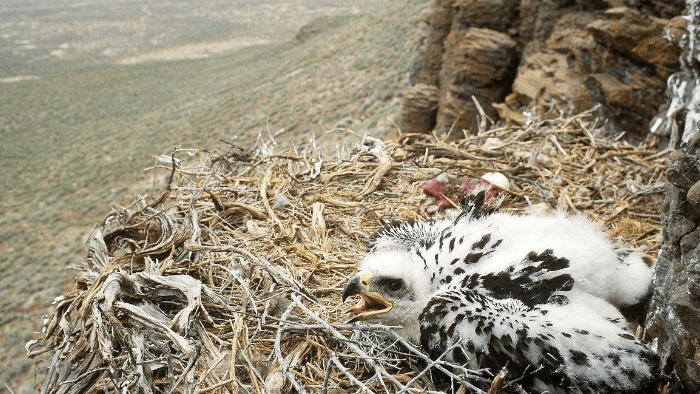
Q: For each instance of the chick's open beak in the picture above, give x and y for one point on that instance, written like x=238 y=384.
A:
x=354 y=286
x=371 y=303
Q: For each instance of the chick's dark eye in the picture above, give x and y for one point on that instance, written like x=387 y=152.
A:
x=394 y=284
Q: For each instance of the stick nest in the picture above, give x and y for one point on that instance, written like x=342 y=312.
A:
x=230 y=281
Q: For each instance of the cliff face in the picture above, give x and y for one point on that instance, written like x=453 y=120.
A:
x=522 y=55
x=674 y=317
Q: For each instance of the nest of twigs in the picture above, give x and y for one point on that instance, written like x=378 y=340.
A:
x=230 y=280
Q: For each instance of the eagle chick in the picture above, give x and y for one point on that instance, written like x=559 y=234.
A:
x=490 y=289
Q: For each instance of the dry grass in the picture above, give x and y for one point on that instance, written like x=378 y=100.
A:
x=230 y=281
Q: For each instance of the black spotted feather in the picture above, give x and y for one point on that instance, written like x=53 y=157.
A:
x=513 y=319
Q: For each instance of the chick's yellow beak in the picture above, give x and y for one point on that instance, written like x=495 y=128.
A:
x=371 y=302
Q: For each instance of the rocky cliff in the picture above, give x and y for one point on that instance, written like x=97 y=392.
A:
x=674 y=317
x=523 y=56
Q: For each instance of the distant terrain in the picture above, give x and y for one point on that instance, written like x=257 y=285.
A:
x=91 y=91
x=48 y=35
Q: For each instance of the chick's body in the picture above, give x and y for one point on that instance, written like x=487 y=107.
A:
x=489 y=290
